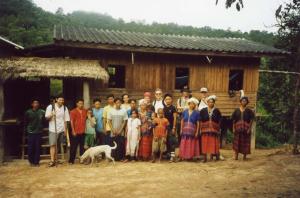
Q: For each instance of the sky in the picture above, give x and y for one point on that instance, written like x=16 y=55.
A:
x=256 y=14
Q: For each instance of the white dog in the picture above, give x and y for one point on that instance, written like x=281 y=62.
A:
x=96 y=151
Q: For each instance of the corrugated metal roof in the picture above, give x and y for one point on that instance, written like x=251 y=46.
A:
x=162 y=41
x=10 y=43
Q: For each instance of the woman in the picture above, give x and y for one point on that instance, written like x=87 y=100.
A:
x=145 y=148
x=125 y=102
x=242 y=121
x=189 y=145
x=210 y=119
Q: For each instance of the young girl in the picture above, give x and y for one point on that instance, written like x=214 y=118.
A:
x=90 y=131
x=189 y=145
x=133 y=131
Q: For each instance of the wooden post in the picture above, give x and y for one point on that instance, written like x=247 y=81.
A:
x=253 y=132
x=2 y=106
x=86 y=94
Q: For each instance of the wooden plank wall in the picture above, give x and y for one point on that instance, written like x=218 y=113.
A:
x=150 y=72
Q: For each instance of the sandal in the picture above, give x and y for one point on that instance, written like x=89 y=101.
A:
x=51 y=164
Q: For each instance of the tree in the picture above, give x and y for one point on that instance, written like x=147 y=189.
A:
x=289 y=31
x=238 y=4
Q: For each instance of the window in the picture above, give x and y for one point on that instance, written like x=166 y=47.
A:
x=182 y=77
x=116 y=76
x=236 y=80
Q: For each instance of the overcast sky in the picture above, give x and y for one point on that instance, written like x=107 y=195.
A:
x=256 y=14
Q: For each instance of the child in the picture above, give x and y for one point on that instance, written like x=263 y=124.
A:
x=159 y=136
x=98 y=114
x=133 y=132
x=90 y=131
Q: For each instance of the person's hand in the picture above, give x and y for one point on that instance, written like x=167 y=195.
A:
x=173 y=131
x=196 y=134
x=248 y=131
x=74 y=134
x=155 y=139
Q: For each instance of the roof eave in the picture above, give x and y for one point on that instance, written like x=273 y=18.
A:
x=63 y=43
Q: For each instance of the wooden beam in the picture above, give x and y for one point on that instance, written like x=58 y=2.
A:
x=86 y=94
x=278 y=72
x=2 y=106
x=253 y=135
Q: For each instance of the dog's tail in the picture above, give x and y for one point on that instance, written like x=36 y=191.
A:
x=115 y=146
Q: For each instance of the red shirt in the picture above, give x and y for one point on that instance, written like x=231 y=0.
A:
x=161 y=129
x=78 y=119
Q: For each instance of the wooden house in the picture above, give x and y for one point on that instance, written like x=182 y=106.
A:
x=139 y=62
x=96 y=62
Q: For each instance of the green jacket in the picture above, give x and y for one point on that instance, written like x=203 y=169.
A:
x=34 y=120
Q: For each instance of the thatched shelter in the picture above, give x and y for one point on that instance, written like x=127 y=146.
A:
x=35 y=67
x=22 y=78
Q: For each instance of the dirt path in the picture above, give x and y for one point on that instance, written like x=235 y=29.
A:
x=269 y=173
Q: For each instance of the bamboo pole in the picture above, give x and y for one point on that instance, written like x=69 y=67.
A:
x=1 y=117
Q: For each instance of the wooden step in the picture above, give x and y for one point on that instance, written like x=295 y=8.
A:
x=43 y=145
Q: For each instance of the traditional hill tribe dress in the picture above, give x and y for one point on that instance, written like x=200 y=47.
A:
x=145 y=147
x=210 y=129
x=189 y=145
x=242 y=139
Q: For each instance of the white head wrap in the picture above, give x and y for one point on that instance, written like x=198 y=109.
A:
x=214 y=97
x=193 y=100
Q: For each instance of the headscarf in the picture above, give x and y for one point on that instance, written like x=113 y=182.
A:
x=193 y=100
x=212 y=97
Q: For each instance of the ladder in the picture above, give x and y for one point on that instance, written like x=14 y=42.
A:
x=45 y=147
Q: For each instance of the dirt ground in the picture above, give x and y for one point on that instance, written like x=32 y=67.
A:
x=267 y=173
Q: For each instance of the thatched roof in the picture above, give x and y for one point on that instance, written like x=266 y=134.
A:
x=36 y=67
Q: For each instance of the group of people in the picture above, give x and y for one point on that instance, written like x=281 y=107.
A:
x=142 y=129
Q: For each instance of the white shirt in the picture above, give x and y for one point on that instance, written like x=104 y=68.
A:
x=62 y=116
x=157 y=104
x=202 y=105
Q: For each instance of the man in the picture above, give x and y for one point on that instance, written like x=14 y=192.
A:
x=182 y=103
x=106 y=126
x=78 y=119
x=132 y=103
x=33 y=124
x=171 y=115
x=117 y=118
x=58 y=116
x=98 y=113
x=158 y=102
x=203 y=102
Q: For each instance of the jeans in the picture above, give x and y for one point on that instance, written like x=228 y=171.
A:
x=76 y=141
x=34 y=147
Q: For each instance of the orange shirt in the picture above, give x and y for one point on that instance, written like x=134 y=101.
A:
x=160 y=129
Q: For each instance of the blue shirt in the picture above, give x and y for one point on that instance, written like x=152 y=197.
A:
x=98 y=113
